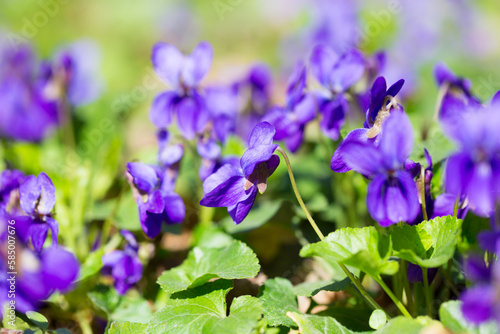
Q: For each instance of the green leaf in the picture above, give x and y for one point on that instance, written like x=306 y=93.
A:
x=12 y=321
x=130 y=307
x=310 y=289
x=356 y=319
x=105 y=298
x=451 y=316
x=209 y=236
x=438 y=145
x=203 y=310
x=401 y=325
x=378 y=319
x=408 y=326
x=278 y=298
x=92 y=265
x=429 y=244
x=38 y=319
x=125 y=327
x=362 y=248
x=315 y=324
x=234 y=261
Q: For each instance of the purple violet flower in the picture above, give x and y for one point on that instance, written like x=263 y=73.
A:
x=210 y=152
x=392 y=193
x=222 y=104
x=254 y=93
x=75 y=73
x=37 y=196
x=125 y=266
x=39 y=275
x=480 y=303
x=26 y=112
x=382 y=103
x=336 y=73
x=156 y=200
x=235 y=187
x=474 y=171
x=290 y=121
x=455 y=92
x=184 y=74
x=10 y=180
x=443 y=204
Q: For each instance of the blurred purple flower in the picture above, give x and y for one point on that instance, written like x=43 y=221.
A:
x=184 y=74
x=37 y=196
x=336 y=73
x=125 y=266
x=76 y=70
x=392 y=193
x=156 y=200
x=235 y=187
x=455 y=93
x=169 y=156
x=222 y=105
x=480 y=303
x=290 y=121
x=10 y=180
x=39 y=275
x=474 y=171
x=254 y=93
x=26 y=112
x=415 y=275
x=210 y=152
x=335 y=24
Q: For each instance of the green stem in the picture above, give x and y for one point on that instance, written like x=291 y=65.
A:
x=447 y=277
x=297 y=194
x=369 y=299
x=106 y=228
x=406 y=283
x=427 y=292
x=353 y=279
x=455 y=208
x=83 y=321
x=422 y=193
x=66 y=121
x=391 y=295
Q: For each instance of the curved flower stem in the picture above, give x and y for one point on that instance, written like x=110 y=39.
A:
x=422 y=193
x=66 y=123
x=391 y=295
x=427 y=292
x=297 y=194
x=407 y=288
x=108 y=222
x=353 y=279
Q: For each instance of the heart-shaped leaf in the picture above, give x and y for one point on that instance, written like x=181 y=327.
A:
x=363 y=248
x=234 y=261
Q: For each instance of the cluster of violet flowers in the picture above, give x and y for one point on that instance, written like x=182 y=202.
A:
x=37 y=96
x=26 y=205
x=211 y=114
x=399 y=189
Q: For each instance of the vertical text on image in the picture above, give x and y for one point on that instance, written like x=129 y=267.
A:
x=11 y=271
